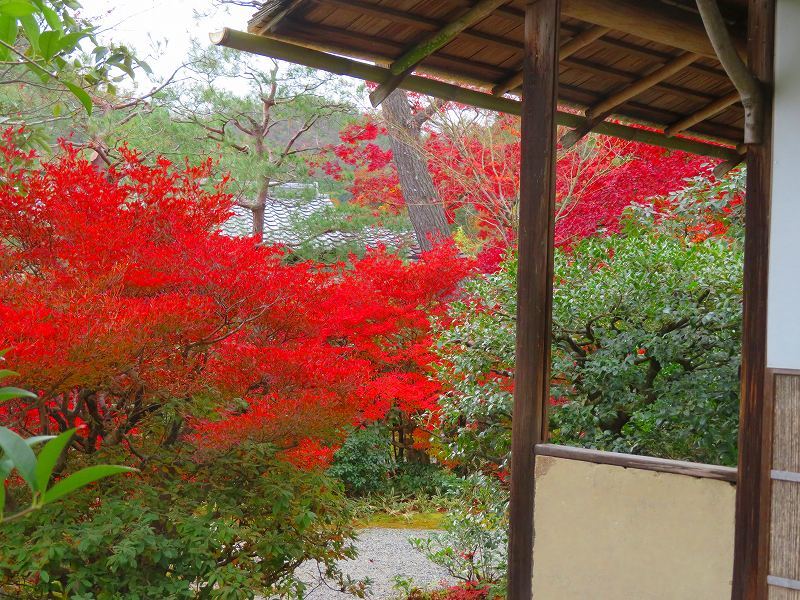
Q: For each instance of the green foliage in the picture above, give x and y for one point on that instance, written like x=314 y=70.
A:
x=645 y=353
x=477 y=346
x=647 y=347
x=43 y=47
x=366 y=467
x=473 y=545
x=411 y=479
x=364 y=461
x=36 y=471
x=232 y=527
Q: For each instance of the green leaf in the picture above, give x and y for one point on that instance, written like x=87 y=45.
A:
x=67 y=43
x=7 y=373
x=49 y=44
x=17 y=8
x=81 y=95
x=52 y=18
x=81 y=479
x=9 y=393
x=38 y=439
x=48 y=457
x=31 y=27
x=8 y=33
x=21 y=455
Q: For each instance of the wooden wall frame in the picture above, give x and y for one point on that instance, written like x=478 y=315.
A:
x=635 y=461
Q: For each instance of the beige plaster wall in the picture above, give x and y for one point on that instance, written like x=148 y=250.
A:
x=611 y=533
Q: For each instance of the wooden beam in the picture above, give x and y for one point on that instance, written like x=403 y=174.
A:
x=652 y=21
x=534 y=281
x=581 y=40
x=634 y=461
x=648 y=53
x=751 y=538
x=316 y=59
x=598 y=112
x=393 y=15
x=644 y=84
x=587 y=66
x=704 y=113
x=404 y=65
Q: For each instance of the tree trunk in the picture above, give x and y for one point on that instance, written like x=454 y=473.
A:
x=258 y=208
x=425 y=209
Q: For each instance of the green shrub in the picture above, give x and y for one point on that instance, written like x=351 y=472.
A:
x=646 y=350
x=366 y=467
x=231 y=527
x=413 y=479
x=364 y=461
x=473 y=545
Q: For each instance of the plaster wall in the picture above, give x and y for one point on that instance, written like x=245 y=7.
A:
x=611 y=533
x=783 y=329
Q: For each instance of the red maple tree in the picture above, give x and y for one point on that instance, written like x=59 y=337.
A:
x=119 y=297
x=474 y=162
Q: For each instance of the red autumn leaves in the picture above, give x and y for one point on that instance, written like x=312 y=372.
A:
x=119 y=297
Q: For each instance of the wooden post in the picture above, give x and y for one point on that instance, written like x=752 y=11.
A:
x=534 y=280
x=751 y=546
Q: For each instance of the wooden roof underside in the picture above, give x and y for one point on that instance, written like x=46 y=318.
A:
x=610 y=49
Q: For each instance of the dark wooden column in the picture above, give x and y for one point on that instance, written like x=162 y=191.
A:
x=755 y=416
x=534 y=279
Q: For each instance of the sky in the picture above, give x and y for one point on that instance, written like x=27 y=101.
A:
x=161 y=30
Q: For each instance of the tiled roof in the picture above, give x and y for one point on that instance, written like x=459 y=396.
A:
x=289 y=209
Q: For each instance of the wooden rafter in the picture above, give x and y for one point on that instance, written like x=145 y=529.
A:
x=449 y=68
x=404 y=65
x=581 y=40
x=316 y=59
x=708 y=111
x=589 y=66
x=650 y=116
x=645 y=83
x=649 y=20
x=598 y=112
x=419 y=22
x=326 y=35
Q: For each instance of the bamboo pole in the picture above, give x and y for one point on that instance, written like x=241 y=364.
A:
x=581 y=40
x=264 y=46
x=704 y=113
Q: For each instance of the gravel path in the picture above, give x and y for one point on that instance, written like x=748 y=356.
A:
x=382 y=554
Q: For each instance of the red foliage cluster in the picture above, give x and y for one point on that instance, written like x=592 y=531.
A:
x=119 y=296
x=478 y=170
x=466 y=591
